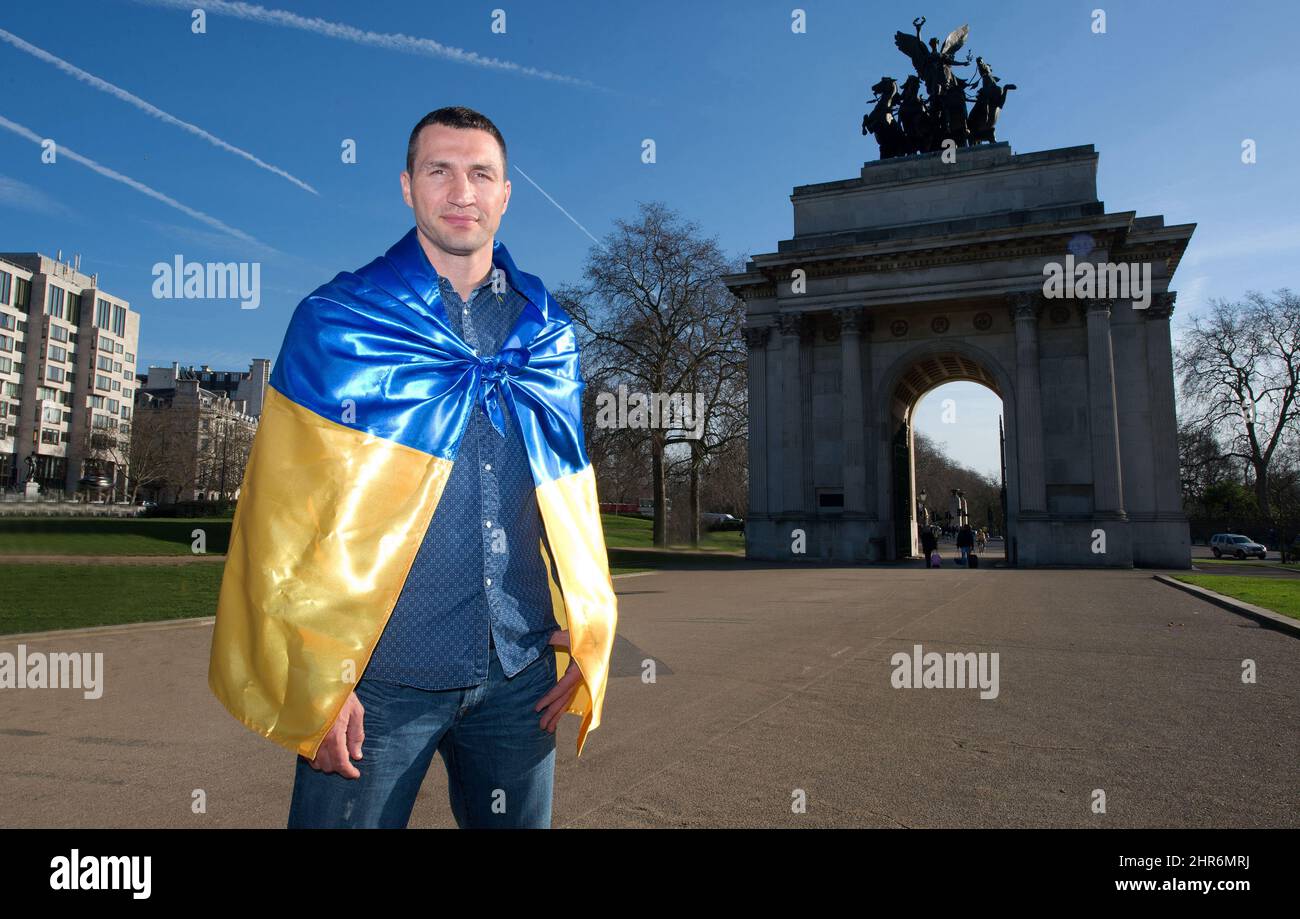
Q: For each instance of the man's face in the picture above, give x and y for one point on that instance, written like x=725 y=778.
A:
x=458 y=189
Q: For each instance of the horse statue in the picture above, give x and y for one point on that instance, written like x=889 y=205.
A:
x=881 y=122
x=988 y=104
x=949 y=115
x=914 y=116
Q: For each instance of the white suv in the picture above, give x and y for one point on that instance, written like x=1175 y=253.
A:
x=1236 y=546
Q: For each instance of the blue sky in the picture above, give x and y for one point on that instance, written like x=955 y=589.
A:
x=741 y=110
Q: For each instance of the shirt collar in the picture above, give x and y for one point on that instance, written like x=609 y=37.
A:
x=410 y=260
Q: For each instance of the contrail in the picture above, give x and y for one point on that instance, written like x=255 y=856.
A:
x=392 y=41
x=562 y=210
x=144 y=106
x=211 y=221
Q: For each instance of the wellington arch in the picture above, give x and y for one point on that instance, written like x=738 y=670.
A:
x=921 y=272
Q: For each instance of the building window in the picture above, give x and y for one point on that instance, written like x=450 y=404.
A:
x=103 y=362
x=58 y=332
x=103 y=310
x=97 y=401
x=55 y=374
x=8 y=321
x=119 y=320
x=117 y=366
x=130 y=358
x=113 y=405
x=54 y=301
x=51 y=414
x=6 y=282
x=102 y=382
x=6 y=343
x=58 y=354
x=49 y=437
x=830 y=498
x=6 y=364
x=22 y=294
x=74 y=308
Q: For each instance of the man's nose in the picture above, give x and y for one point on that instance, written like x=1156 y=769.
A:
x=462 y=192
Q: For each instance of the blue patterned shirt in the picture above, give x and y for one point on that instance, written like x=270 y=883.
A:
x=478 y=583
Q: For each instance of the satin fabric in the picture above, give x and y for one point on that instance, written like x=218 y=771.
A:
x=367 y=405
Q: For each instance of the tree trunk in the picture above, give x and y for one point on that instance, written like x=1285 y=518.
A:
x=659 y=490
x=1261 y=488
x=695 y=499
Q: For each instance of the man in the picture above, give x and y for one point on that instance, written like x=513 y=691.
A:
x=459 y=448
x=965 y=542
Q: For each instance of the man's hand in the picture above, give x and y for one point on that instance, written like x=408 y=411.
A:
x=343 y=739
x=561 y=694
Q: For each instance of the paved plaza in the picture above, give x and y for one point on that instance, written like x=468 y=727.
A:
x=771 y=684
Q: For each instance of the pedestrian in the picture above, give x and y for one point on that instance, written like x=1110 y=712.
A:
x=965 y=542
x=928 y=544
x=417 y=563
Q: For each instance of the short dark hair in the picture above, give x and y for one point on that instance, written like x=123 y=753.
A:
x=455 y=116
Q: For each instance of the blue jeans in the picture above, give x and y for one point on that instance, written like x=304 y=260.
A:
x=500 y=761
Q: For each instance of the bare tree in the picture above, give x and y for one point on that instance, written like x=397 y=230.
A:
x=656 y=318
x=1239 y=370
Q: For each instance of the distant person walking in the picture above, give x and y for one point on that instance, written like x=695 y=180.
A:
x=965 y=542
x=928 y=544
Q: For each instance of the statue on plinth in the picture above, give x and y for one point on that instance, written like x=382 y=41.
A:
x=904 y=122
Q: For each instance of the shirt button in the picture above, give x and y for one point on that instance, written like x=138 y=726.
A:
x=487 y=523
x=487 y=581
x=487 y=466
x=466 y=311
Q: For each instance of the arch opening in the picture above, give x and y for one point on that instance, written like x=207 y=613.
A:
x=915 y=379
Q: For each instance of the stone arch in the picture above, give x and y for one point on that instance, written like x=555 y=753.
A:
x=904 y=382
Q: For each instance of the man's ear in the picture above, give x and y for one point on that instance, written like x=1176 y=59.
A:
x=405 y=180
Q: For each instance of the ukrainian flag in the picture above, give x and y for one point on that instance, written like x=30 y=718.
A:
x=362 y=420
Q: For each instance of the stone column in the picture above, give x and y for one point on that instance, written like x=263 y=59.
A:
x=1025 y=308
x=1164 y=419
x=756 y=338
x=1108 y=486
x=852 y=430
x=792 y=326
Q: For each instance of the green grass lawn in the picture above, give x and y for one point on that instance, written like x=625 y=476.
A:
x=110 y=536
x=1282 y=595
x=37 y=597
x=173 y=536
x=1227 y=563
x=638 y=533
